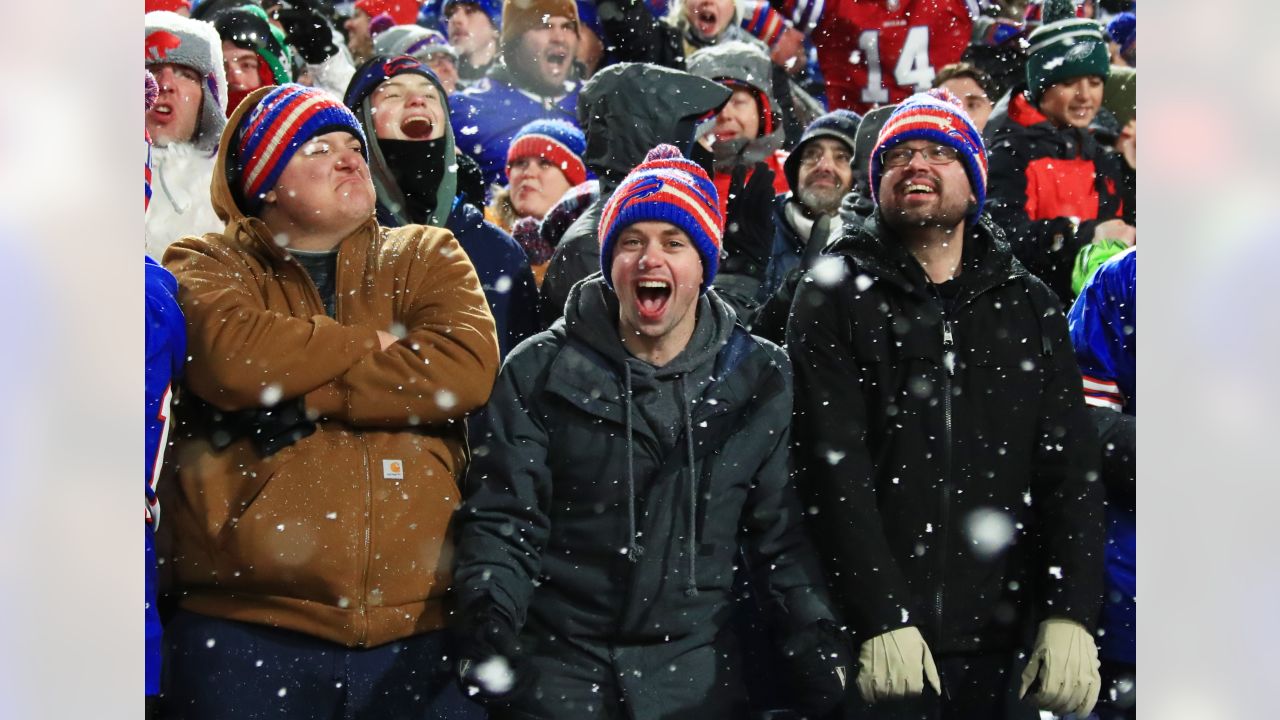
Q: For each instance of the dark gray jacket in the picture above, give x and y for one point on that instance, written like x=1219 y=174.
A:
x=595 y=524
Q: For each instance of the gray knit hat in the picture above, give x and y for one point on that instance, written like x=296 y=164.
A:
x=172 y=39
x=413 y=40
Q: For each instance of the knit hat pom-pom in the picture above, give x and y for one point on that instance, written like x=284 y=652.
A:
x=1055 y=10
x=664 y=152
x=153 y=90
x=380 y=24
x=946 y=96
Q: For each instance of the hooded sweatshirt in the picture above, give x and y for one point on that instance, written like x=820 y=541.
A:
x=417 y=185
x=626 y=489
x=345 y=534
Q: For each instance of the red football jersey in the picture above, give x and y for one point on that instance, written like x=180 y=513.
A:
x=878 y=52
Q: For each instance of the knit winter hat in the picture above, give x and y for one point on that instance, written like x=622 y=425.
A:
x=418 y=42
x=1123 y=29
x=667 y=188
x=521 y=16
x=555 y=140
x=937 y=116
x=403 y=12
x=372 y=73
x=1064 y=47
x=174 y=39
x=247 y=26
x=151 y=92
x=270 y=134
x=839 y=125
x=492 y=8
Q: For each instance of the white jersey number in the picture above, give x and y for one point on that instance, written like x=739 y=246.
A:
x=913 y=68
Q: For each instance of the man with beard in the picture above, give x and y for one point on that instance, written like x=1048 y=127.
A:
x=635 y=446
x=537 y=79
x=942 y=433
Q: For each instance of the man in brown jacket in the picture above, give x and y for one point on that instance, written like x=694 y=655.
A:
x=320 y=441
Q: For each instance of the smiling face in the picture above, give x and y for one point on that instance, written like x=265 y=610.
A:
x=708 y=18
x=922 y=194
x=407 y=107
x=739 y=118
x=657 y=275
x=324 y=191
x=545 y=54
x=536 y=185
x=174 y=117
x=825 y=175
x=1074 y=102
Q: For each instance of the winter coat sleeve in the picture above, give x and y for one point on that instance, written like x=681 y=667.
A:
x=444 y=366
x=1047 y=247
x=238 y=347
x=633 y=34
x=773 y=522
x=576 y=256
x=504 y=523
x=834 y=464
x=1067 y=498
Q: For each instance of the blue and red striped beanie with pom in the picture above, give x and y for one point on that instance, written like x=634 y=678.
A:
x=666 y=188
x=937 y=116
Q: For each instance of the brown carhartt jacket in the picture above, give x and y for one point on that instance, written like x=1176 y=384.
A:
x=346 y=534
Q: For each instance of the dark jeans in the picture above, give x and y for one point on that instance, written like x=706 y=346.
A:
x=973 y=686
x=217 y=669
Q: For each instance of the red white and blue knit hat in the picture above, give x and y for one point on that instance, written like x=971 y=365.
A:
x=555 y=140
x=666 y=188
x=285 y=119
x=151 y=92
x=937 y=116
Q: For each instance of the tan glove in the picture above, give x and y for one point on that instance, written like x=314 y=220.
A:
x=1066 y=660
x=895 y=665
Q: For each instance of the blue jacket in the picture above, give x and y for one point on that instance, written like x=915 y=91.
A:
x=166 y=348
x=503 y=269
x=488 y=114
x=1103 y=324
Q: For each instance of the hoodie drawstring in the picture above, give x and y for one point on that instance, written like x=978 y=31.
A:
x=634 y=549
x=691 y=587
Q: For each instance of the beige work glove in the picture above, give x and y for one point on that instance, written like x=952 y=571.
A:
x=895 y=665
x=1065 y=659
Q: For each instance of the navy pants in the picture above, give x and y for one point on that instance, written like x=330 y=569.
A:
x=217 y=669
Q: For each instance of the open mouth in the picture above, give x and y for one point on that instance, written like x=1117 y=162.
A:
x=557 y=60
x=919 y=189
x=162 y=109
x=652 y=297
x=417 y=127
x=705 y=21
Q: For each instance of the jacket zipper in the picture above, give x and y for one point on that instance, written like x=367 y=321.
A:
x=944 y=515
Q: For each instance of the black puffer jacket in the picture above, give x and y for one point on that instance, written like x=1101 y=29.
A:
x=917 y=468
x=590 y=464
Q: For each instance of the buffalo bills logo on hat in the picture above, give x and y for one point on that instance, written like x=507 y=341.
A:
x=160 y=43
x=400 y=64
x=641 y=190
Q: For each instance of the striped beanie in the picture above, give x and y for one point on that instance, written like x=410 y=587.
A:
x=937 y=116
x=666 y=188
x=555 y=140
x=285 y=119
x=1064 y=47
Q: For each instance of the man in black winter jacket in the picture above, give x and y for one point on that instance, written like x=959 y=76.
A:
x=635 y=447
x=943 y=440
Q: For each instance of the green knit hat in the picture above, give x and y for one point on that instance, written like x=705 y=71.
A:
x=1065 y=47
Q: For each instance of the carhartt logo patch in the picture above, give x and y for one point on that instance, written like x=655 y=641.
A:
x=392 y=470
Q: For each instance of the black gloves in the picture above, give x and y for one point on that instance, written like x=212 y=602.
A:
x=491 y=667
x=309 y=33
x=820 y=664
x=271 y=429
x=748 y=222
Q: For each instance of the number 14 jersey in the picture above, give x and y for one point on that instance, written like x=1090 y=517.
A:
x=878 y=52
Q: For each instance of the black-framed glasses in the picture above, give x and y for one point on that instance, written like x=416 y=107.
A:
x=901 y=155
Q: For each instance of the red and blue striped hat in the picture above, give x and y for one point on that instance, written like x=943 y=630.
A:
x=555 y=140
x=285 y=119
x=937 y=116
x=667 y=188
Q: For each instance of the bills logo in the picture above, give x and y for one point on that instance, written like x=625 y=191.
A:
x=160 y=43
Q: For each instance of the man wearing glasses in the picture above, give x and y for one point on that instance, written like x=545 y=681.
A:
x=943 y=446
